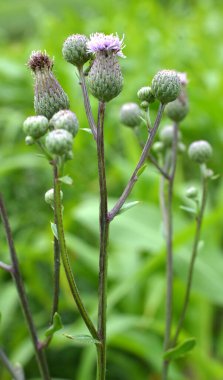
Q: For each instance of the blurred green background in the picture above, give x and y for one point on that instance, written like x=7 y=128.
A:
x=183 y=35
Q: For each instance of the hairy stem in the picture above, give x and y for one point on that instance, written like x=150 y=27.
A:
x=140 y=163
x=168 y=225
x=199 y=220
x=40 y=355
x=87 y=103
x=65 y=257
x=103 y=260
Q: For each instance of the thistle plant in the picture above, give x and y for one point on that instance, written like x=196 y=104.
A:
x=53 y=130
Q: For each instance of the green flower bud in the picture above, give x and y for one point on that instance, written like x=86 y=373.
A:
x=166 y=86
x=75 y=50
x=49 y=197
x=144 y=105
x=179 y=108
x=35 y=126
x=192 y=192
x=65 y=119
x=49 y=96
x=59 y=142
x=29 y=140
x=167 y=135
x=130 y=114
x=145 y=93
x=200 y=151
x=158 y=147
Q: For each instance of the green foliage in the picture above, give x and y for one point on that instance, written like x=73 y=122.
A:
x=186 y=36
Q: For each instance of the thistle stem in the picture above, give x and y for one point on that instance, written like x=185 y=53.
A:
x=8 y=365
x=199 y=220
x=103 y=260
x=40 y=355
x=140 y=163
x=87 y=103
x=65 y=257
x=168 y=225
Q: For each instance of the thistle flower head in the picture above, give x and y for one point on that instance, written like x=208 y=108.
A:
x=59 y=142
x=35 y=127
x=49 y=97
x=65 y=119
x=99 y=42
x=75 y=50
x=130 y=115
x=167 y=135
x=200 y=151
x=166 y=86
x=39 y=60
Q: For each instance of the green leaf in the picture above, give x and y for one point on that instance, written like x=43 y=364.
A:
x=189 y=210
x=57 y=325
x=82 y=339
x=88 y=130
x=180 y=350
x=141 y=170
x=66 y=179
x=54 y=229
x=127 y=206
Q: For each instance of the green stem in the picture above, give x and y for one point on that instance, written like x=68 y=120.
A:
x=65 y=257
x=104 y=231
x=87 y=103
x=9 y=366
x=168 y=223
x=199 y=220
x=115 y=210
x=40 y=355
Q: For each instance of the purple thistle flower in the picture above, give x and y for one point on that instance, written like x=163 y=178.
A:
x=100 y=42
x=183 y=78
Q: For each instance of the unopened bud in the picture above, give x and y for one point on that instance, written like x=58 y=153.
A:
x=65 y=119
x=166 y=86
x=29 y=140
x=59 y=142
x=35 y=126
x=145 y=94
x=192 y=192
x=158 y=147
x=75 y=50
x=200 y=151
x=130 y=115
x=144 y=105
x=49 y=197
x=167 y=135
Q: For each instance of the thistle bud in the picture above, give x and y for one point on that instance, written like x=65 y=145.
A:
x=166 y=86
x=167 y=135
x=59 y=142
x=200 y=151
x=65 y=119
x=192 y=192
x=49 y=197
x=158 y=147
x=49 y=96
x=179 y=108
x=75 y=50
x=29 y=140
x=181 y=147
x=145 y=94
x=35 y=126
x=144 y=105
x=105 y=79
x=130 y=115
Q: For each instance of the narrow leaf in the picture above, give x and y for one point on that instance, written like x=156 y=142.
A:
x=88 y=130
x=127 y=206
x=141 y=170
x=66 y=179
x=57 y=325
x=188 y=209
x=82 y=339
x=180 y=350
x=54 y=229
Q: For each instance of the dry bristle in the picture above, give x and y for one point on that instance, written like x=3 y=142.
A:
x=39 y=60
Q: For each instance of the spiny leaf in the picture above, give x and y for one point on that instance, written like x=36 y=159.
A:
x=180 y=350
x=66 y=179
x=82 y=339
x=57 y=325
x=127 y=206
x=54 y=229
